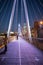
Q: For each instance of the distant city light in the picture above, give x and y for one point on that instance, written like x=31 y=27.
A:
x=11 y=32
x=19 y=29
x=41 y=22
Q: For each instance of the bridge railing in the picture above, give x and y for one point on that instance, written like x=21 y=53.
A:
x=38 y=42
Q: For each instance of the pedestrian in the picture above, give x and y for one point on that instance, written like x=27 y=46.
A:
x=5 y=43
x=17 y=36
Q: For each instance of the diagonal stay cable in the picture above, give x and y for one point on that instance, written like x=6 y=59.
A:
x=11 y=18
x=37 y=7
x=34 y=10
x=40 y=3
x=22 y=13
x=6 y=26
x=5 y=12
x=3 y=6
x=27 y=20
x=30 y=12
x=17 y=14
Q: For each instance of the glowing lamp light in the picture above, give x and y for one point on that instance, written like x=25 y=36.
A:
x=41 y=22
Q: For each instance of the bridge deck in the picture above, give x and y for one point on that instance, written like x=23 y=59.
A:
x=29 y=55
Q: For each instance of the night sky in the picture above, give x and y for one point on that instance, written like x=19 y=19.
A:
x=35 y=12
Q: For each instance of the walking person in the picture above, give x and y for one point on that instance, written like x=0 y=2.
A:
x=5 y=43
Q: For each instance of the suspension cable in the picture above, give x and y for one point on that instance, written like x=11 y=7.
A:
x=40 y=3
x=31 y=14
x=17 y=14
x=27 y=20
x=22 y=14
x=37 y=7
x=7 y=15
x=5 y=12
x=11 y=19
x=33 y=10
x=3 y=6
